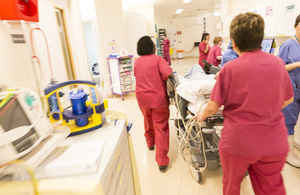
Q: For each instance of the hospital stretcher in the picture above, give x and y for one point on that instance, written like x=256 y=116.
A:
x=198 y=141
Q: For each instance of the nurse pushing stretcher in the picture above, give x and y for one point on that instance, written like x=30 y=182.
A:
x=254 y=135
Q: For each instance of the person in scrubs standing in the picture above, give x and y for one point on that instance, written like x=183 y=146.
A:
x=253 y=89
x=289 y=52
x=204 y=48
x=215 y=55
x=166 y=49
x=151 y=72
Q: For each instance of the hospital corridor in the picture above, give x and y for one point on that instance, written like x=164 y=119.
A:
x=180 y=178
x=149 y=97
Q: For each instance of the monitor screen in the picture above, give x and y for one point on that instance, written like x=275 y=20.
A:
x=196 y=44
x=266 y=45
x=14 y=117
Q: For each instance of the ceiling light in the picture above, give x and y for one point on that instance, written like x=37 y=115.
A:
x=187 y=1
x=178 y=11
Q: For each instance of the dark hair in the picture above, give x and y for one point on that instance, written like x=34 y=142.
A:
x=297 y=21
x=145 y=46
x=247 y=31
x=217 y=40
x=204 y=35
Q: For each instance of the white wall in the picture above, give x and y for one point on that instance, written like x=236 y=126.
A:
x=147 y=10
x=235 y=6
x=77 y=42
x=111 y=27
x=16 y=67
x=136 y=28
x=278 y=22
x=191 y=31
x=73 y=22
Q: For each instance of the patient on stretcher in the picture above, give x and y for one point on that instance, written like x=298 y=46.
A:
x=194 y=90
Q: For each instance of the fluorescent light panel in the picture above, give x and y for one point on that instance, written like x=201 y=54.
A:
x=179 y=11
x=187 y=1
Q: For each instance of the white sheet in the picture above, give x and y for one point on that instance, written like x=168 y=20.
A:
x=201 y=102
x=197 y=92
x=191 y=89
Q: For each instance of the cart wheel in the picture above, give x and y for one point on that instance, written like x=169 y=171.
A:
x=199 y=177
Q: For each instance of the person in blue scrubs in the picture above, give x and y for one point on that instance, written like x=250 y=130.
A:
x=289 y=51
x=228 y=55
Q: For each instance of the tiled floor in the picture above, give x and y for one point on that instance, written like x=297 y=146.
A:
x=179 y=178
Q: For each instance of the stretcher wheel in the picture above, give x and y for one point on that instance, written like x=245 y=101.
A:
x=199 y=177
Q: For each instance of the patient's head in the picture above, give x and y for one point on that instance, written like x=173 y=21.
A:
x=247 y=31
x=145 y=46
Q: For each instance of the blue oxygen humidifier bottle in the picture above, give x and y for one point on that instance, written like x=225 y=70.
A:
x=78 y=100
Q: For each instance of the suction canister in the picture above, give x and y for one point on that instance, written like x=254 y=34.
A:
x=78 y=99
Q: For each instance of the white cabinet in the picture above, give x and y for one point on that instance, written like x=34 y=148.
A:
x=121 y=69
x=113 y=177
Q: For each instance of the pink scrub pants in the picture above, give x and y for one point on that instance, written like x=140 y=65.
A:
x=156 y=123
x=167 y=57
x=264 y=172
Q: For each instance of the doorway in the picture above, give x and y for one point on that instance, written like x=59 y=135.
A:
x=60 y=17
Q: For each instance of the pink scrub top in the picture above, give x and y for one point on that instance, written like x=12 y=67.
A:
x=151 y=72
x=213 y=54
x=203 y=56
x=252 y=89
x=166 y=46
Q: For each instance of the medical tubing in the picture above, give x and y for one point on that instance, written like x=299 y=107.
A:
x=47 y=46
x=30 y=171
x=6 y=99
x=189 y=126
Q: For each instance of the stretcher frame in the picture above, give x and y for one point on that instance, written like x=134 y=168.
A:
x=196 y=140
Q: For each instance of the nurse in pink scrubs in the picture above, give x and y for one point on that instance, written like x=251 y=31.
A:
x=204 y=48
x=253 y=89
x=151 y=72
x=166 y=49
x=215 y=55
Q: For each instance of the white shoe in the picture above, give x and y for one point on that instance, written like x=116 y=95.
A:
x=292 y=158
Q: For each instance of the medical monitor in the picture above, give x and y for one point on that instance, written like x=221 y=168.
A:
x=266 y=45
x=23 y=125
x=15 y=117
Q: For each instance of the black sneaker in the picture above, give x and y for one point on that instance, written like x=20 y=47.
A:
x=162 y=168
x=151 y=148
